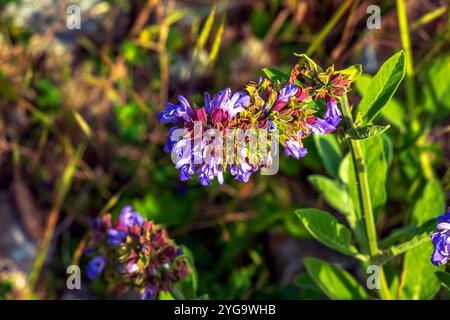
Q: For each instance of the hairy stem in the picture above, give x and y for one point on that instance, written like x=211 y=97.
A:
x=364 y=195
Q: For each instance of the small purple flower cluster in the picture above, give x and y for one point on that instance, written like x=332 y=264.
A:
x=441 y=241
x=289 y=109
x=134 y=254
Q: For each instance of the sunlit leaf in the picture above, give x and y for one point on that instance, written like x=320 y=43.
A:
x=330 y=153
x=381 y=88
x=276 y=75
x=334 y=193
x=327 y=230
x=366 y=132
x=335 y=282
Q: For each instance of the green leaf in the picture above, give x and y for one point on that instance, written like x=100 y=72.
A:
x=436 y=87
x=330 y=153
x=418 y=277
x=352 y=72
x=382 y=88
x=408 y=232
x=376 y=166
x=393 y=111
x=344 y=168
x=334 y=193
x=327 y=230
x=354 y=218
x=388 y=149
x=308 y=62
x=366 y=132
x=444 y=277
x=276 y=75
x=165 y=295
x=431 y=204
x=261 y=22
x=335 y=282
x=309 y=290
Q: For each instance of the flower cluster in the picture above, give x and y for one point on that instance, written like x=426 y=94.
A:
x=303 y=104
x=441 y=241
x=134 y=254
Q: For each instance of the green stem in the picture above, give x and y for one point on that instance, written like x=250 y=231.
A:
x=409 y=67
x=410 y=85
x=364 y=195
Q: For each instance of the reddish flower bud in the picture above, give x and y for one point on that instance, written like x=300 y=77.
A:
x=201 y=115
x=279 y=105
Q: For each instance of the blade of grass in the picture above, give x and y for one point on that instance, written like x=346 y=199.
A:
x=409 y=66
x=206 y=30
x=427 y=18
x=328 y=27
x=82 y=123
x=217 y=40
x=62 y=190
x=164 y=57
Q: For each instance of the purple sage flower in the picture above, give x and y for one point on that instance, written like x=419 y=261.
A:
x=287 y=92
x=441 y=241
x=150 y=292
x=95 y=267
x=116 y=237
x=295 y=149
x=321 y=126
x=332 y=114
x=175 y=113
x=129 y=218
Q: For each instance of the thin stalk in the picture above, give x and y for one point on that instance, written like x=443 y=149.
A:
x=64 y=186
x=429 y=17
x=364 y=195
x=409 y=67
x=328 y=27
x=409 y=79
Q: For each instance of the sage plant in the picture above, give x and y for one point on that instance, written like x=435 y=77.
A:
x=134 y=254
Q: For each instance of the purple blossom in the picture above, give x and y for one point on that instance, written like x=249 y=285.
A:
x=186 y=171
x=441 y=241
x=321 y=126
x=148 y=263
x=294 y=149
x=175 y=113
x=95 y=267
x=171 y=142
x=287 y=92
x=208 y=171
x=129 y=218
x=149 y=293
x=207 y=103
x=224 y=110
x=241 y=172
x=238 y=102
x=218 y=100
x=116 y=237
x=332 y=114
